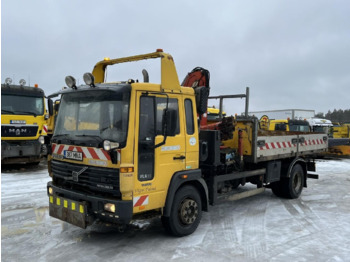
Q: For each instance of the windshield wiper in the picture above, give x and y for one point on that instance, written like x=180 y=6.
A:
x=93 y=136
x=27 y=113
x=7 y=111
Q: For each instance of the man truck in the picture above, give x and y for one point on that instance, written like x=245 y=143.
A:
x=23 y=123
x=129 y=150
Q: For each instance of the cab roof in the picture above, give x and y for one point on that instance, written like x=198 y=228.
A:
x=21 y=90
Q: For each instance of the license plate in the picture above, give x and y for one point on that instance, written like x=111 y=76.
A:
x=73 y=155
x=17 y=122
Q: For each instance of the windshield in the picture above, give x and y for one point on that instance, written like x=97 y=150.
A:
x=100 y=114
x=214 y=116
x=22 y=105
x=321 y=129
x=299 y=128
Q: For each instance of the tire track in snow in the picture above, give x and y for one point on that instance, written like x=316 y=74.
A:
x=309 y=221
x=297 y=210
x=253 y=233
x=223 y=226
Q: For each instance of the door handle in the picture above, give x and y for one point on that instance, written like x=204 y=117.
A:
x=179 y=157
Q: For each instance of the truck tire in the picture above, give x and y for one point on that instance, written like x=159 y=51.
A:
x=186 y=212
x=276 y=188
x=292 y=186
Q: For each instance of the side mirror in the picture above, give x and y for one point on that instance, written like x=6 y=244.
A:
x=56 y=107
x=202 y=94
x=50 y=105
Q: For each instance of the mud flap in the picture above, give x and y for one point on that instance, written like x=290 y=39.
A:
x=69 y=211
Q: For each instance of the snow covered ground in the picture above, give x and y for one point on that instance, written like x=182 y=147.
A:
x=315 y=227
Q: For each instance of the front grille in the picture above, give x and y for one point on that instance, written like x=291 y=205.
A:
x=18 y=131
x=93 y=180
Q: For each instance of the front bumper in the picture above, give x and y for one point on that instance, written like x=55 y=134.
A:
x=82 y=210
x=21 y=151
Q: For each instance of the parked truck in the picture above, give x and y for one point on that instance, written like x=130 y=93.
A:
x=131 y=150
x=23 y=123
x=320 y=125
x=284 y=124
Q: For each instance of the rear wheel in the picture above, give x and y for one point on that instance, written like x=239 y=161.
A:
x=186 y=212
x=276 y=188
x=294 y=185
x=290 y=187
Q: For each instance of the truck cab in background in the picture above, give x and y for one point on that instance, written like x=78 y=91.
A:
x=289 y=125
x=320 y=125
x=23 y=123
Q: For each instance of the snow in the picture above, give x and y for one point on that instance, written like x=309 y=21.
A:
x=315 y=227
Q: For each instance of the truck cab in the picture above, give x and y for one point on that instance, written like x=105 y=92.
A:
x=289 y=125
x=213 y=115
x=320 y=125
x=23 y=123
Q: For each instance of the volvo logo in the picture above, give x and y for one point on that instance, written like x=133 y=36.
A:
x=75 y=175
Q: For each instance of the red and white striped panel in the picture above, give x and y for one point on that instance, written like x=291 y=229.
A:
x=279 y=145
x=313 y=142
x=141 y=200
x=88 y=152
x=282 y=145
x=45 y=129
x=274 y=145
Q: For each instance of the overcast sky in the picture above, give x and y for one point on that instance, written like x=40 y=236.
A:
x=292 y=54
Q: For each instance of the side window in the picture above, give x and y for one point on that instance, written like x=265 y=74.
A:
x=161 y=105
x=281 y=127
x=146 y=139
x=147 y=119
x=189 y=117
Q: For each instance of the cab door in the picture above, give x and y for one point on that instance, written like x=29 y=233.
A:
x=157 y=162
x=191 y=133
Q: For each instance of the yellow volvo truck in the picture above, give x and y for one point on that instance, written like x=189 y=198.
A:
x=131 y=149
x=23 y=123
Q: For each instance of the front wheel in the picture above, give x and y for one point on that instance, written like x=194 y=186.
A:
x=186 y=212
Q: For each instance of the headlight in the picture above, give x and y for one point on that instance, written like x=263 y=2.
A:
x=110 y=207
x=22 y=82
x=70 y=81
x=89 y=79
x=41 y=140
x=107 y=145
x=8 y=81
x=50 y=190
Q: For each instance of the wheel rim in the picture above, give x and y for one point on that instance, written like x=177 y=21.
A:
x=188 y=211
x=297 y=182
